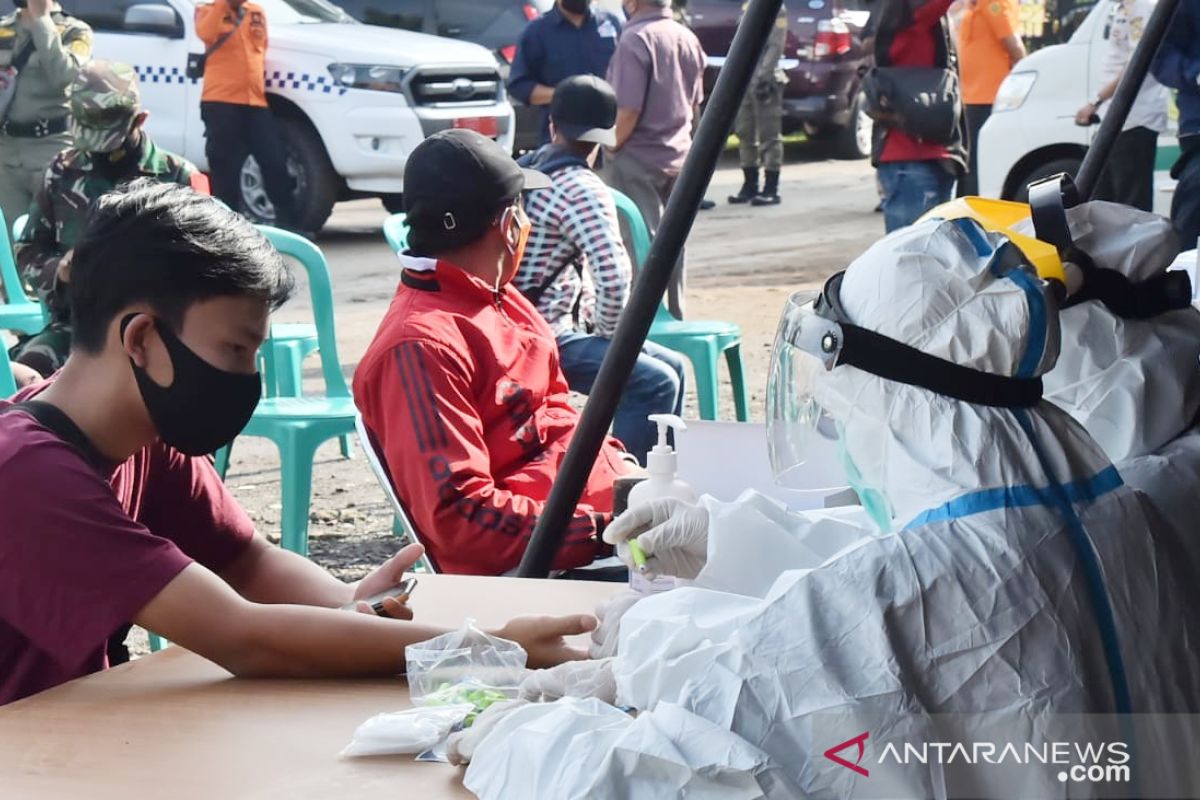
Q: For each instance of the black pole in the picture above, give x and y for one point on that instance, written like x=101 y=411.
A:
x=635 y=322
x=1118 y=111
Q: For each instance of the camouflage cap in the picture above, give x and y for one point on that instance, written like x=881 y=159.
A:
x=104 y=101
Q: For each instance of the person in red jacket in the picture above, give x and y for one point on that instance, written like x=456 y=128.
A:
x=461 y=386
x=915 y=174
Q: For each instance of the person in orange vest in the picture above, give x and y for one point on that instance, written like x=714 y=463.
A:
x=237 y=120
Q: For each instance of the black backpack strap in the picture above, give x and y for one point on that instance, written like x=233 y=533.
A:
x=54 y=420
x=534 y=295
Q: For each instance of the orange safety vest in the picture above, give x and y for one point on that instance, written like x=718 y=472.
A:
x=235 y=72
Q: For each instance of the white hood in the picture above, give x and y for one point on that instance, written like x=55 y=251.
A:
x=372 y=44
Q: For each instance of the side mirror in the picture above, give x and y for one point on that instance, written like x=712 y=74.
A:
x=160 y=20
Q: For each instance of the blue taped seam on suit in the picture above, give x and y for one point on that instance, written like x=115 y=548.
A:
x=1080 y=491
x=1101 y=605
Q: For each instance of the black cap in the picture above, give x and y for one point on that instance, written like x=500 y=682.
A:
x=456 y=179
x=584 y=109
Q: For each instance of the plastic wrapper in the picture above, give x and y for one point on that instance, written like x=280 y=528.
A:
x=467 y=655
x=411 y=731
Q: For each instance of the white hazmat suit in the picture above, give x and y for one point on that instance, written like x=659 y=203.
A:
x=1134 y=384
x=978 y=601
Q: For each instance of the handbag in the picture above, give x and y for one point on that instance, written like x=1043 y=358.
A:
x=11 y=73
x=196 y=61
x=924 y=102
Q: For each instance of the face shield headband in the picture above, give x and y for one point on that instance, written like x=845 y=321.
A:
x=847 y=343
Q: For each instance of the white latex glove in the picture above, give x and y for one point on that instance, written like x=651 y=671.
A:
x=673 y=535
x=573 y=679
x=609 y=612
x=460 y=747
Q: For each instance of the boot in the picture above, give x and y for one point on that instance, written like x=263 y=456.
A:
x=749 y=187
x=769 y=196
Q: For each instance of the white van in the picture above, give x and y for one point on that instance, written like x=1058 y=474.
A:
x=1032 y=132
x=353 y=100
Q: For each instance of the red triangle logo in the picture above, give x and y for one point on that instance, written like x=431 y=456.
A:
x=859 y=741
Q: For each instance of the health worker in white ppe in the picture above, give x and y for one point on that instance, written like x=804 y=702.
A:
x=1007 y=577
x=1134 y=383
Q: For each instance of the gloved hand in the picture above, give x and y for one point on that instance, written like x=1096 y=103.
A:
x=673 y=535
x=460 y=747
x=609 y=612
x=572 y=679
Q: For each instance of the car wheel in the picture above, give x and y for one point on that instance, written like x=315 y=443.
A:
x=854 y=140
x=393 y=203
x=316 y=182
x=1068 y=165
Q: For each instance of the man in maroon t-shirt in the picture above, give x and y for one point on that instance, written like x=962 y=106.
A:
x=171 y=295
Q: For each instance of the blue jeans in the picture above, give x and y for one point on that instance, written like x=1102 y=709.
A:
x=655 y=387
x=910 y=188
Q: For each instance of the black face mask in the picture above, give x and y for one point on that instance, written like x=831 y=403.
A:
x=204 y=408
x=127 y=158
x=576 y=6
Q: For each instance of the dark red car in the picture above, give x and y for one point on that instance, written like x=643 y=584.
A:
x=821 y=59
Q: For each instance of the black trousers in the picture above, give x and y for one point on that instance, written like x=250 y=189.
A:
x=976 y=115
x=232 y=132
x=1185 y=207
x=1129 y=175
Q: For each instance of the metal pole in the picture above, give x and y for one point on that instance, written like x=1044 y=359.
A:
x=1118 y=111
x=647 y=294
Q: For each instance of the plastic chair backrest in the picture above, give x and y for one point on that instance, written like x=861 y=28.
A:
x=13 y=286
x=320 y=289
x=371 y=447
x=640 y=235
x=395 y=230
x=8 y=384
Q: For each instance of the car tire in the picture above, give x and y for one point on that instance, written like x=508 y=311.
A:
x=317 y=183
x=1068 y=165
x=853 y=141
x=393 y=203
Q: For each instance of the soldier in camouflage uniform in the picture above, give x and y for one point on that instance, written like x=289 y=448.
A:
x=111 y=148
x=36 y=127
x=759 y=125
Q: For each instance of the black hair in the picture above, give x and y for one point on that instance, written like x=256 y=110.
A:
x=168 y=246
x=429 y=242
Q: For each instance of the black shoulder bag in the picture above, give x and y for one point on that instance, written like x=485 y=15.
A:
x=924 y=102
x=196 y=61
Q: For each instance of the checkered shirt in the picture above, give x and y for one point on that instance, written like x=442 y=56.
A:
x=576 y=219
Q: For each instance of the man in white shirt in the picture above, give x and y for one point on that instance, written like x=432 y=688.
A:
x=1129 y=176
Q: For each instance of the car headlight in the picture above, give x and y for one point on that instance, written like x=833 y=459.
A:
x=368 y=76
x=1013 y=91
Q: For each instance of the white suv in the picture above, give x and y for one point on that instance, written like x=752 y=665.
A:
x=353 y=100
x=1032 y=132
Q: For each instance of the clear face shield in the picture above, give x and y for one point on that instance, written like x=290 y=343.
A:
x=802 y=437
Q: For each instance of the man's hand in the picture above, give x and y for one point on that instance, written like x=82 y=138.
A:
x=593 y=679
x=39 y=8
x=542 y=637
x=63 y=271
x=1085 y=116
x=388 y=576
x=672 y=534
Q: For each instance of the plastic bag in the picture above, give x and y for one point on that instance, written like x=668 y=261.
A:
x=467 y=655
x=411 y=731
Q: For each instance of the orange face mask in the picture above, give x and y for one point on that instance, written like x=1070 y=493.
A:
x=516 y=244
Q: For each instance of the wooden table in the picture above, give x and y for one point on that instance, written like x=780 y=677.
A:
x=176 y=725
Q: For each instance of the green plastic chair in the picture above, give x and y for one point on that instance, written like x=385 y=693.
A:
x=8 y=384
x=395 y=230
x=299 y=425
x=702 y=342
x=19 y=313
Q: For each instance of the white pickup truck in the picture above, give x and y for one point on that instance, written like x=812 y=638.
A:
x=1032 y=132
x=353 y=100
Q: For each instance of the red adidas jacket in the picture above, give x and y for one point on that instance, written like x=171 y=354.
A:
x=463 y=391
